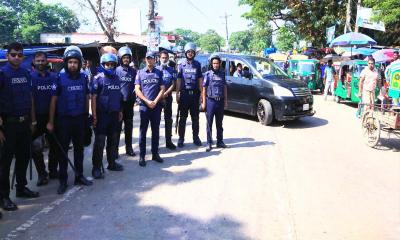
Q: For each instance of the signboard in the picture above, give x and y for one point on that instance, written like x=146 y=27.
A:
x=330 y=34
x=364 y=16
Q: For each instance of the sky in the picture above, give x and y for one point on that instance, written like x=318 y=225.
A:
x=196 y=15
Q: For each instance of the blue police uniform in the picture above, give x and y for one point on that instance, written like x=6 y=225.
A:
x=15 y=110
x=189 y=72
x=43 y=86
x=169 y=77
x=215 y=83
x=150 y=82
x=72 y=93
x=127 y=77
x=107 y=89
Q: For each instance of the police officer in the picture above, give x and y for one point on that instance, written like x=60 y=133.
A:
x=169 y=77
x=17 y=119
x=43 y=82
x=127 y=75
x=188 y=90
x=107 y=114
x=150 y=89
x=214 y=100
x=71 y=97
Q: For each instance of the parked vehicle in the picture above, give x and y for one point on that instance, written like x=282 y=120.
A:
x=308 y=71
x=265 y=90
x=348 y=81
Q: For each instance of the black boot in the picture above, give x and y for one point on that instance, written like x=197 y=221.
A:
x=209 y=148
x=129 y=151
x=170 y=146
x=142 y=162
x=115 y=167
x=62 y=188
x=81 y=180
x=197 y=141
x=180 y=143
x=26 y=193
x=7 y=204
x=97 y=173
x=156 y=157
x=42 y=180
x=221 y=145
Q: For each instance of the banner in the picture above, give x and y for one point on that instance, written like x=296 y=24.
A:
x=364 y=16
x=330 y=34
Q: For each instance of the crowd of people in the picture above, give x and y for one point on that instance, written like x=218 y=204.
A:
x=40 y=106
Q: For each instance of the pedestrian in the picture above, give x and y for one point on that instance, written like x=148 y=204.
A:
x=188 y=92
x=329 y=81
x=86 y=69
x=169 y=78
x=238 y=72
x=43 y=82
x=368 y=79
x=392 y=74
x=150 y=89
x=215 y=100
x=127 y=75
x=18 y=120
x=71 y=100
x=107 y=115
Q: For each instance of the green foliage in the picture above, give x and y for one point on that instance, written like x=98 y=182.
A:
x=241 y=41
x=310 y=18
x=27 y=19
x=285 y=39
x=187 y=36
x=210 y=41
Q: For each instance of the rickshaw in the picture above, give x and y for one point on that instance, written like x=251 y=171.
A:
x=348 y=80
x=309 y=73
x=279 y=59
x=293 y=64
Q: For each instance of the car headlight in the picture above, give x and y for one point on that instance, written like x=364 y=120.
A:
x=282 y=92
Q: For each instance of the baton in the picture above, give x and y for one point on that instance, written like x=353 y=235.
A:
x=63 y=153
x=177 y=118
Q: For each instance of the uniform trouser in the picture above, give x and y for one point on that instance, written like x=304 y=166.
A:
x=127 y=110
x=18 y=142
x=71 y=128
x=167 y=106
x=189 y=103
x=108 y=127
x=153 y=116
x=331 y=85
x=37 y=153
x=214 y=108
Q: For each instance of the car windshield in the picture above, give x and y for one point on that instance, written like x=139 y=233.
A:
x=266 y=68
x=306 y=67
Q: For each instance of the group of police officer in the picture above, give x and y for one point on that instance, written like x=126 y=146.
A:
x=39 y=104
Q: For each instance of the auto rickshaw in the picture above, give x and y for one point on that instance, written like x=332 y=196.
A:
x=293 y=62
x=348 y=80
x=279 y=59
x=309 y=72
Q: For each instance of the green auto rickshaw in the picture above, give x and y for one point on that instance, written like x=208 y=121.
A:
x=306 y=70
x=346 y=87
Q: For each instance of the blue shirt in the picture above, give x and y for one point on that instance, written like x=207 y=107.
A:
x=15 y=91
x=43 y=86
x=190 y=74
x=127 y=77
x=150 y=82
x=215 y=83
x=169 y=75
x=108 y=92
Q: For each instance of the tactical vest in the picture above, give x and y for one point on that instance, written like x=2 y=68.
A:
x=42 y=91
x=189 y=75
x=72 y=97
x=16 y=94
x=109 y=96
x=127 y=77
x=216 y=84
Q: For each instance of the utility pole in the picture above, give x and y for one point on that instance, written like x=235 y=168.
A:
x=358 y=5
x=150 y=15
x=347 y=27
x=226 y=16
x=153 y=32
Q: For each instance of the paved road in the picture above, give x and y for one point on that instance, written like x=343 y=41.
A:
x=310 y=179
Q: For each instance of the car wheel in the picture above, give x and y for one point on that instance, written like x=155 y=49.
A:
x=264 y=112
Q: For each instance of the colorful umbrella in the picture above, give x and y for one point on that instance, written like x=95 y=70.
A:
x=352 y=39
x=384 y=55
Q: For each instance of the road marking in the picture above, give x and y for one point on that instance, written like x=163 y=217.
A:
x=35 y=218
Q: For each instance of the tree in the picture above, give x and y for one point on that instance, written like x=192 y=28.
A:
x=261 y=38
x=285 y=39
x=310 y=18
x=24 y=20
x=241 y=41
x=187 y=36
x=387 y=11
x=211 y=41
x=105 y=12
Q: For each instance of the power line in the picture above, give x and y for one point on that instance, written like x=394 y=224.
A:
x=226 y=16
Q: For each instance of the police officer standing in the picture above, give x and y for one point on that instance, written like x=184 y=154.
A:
x=214 y=100
x=150 y=89
x=107 y=114
x=43 y=82
x=169 y=77
x=17 y=121
x=188 y=90
x=71 y=97
x=127 y=77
